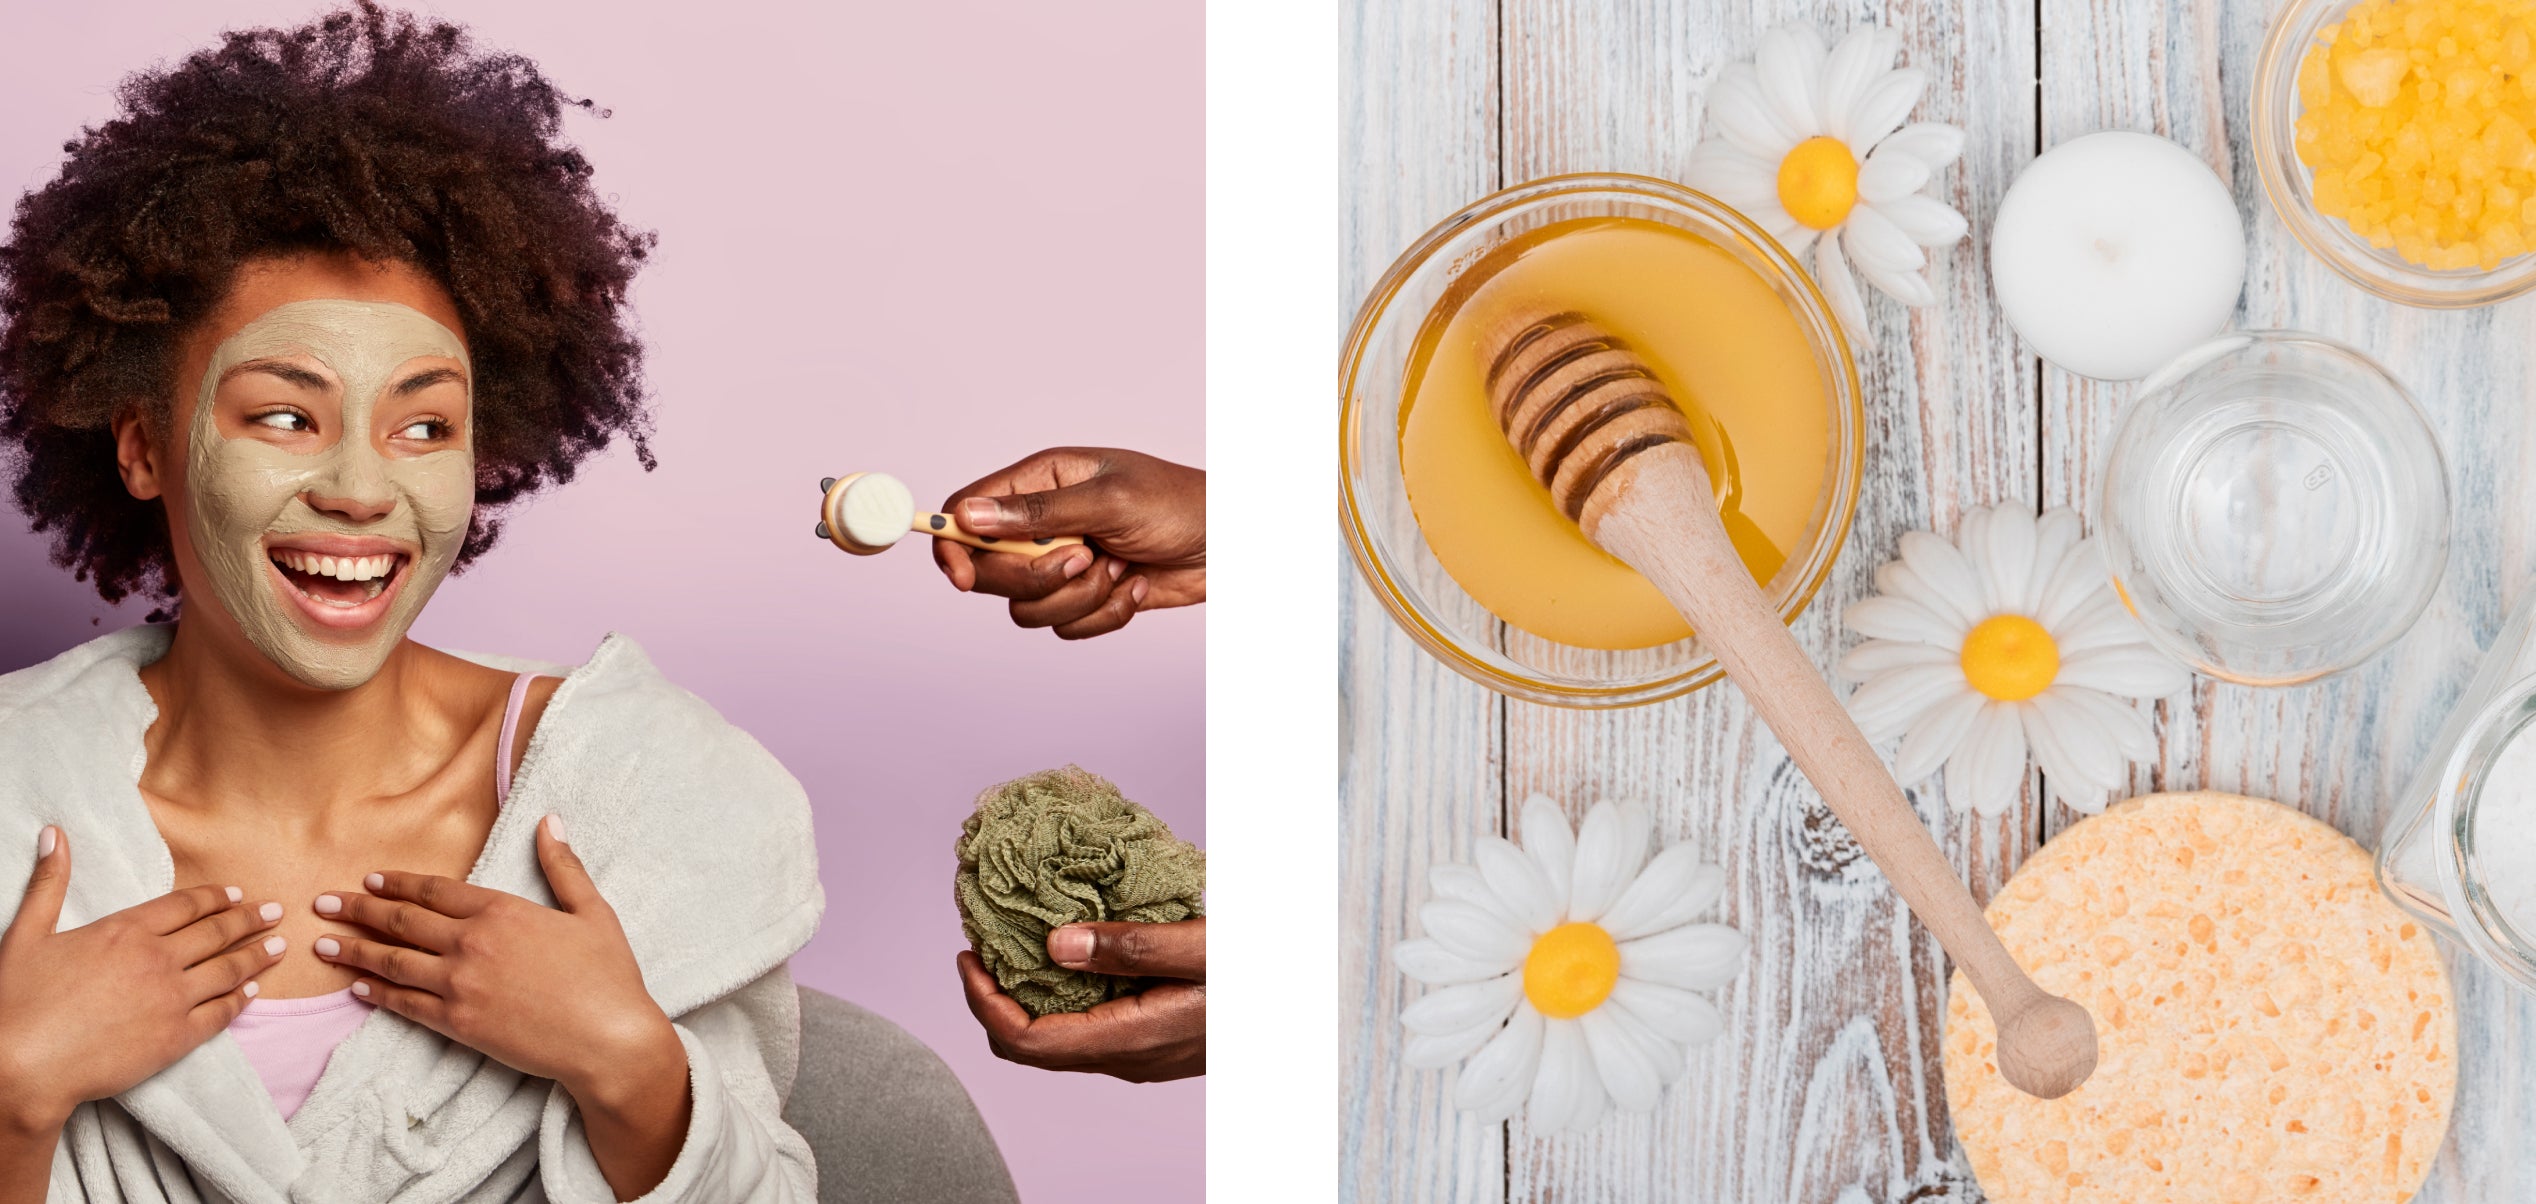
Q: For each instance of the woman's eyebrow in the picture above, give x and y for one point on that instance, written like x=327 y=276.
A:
x=290 y=372
x=427 y=378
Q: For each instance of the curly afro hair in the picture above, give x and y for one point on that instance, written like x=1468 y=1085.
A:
x=365 y=132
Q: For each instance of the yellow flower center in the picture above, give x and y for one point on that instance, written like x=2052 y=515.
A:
x=1818 y=182
x=1571 y=970
x=2010 y=658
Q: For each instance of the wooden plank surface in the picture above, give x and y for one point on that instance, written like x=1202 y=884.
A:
x=1825 y=1086
x=1418 y=755
x=1824 y=1079
x=2342 y=749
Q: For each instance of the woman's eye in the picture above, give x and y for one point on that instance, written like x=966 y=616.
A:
x=425 y=429
x=282 y=420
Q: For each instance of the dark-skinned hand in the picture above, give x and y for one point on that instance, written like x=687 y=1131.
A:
x=548 y=991
x=1147 y=518
x=1158 y=1033
x=87 y=1013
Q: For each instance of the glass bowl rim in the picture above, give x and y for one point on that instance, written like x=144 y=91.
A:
x=2275 y=105
x=2453 y=813
x=1376 y=571
x=2163 y=381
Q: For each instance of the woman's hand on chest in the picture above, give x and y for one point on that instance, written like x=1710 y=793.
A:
x=549 y=991
x=88 y=1013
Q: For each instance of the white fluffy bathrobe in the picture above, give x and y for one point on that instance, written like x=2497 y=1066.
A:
x=697 y=837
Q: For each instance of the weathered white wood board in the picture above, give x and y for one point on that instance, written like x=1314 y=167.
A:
x=1825 y=1087
x=1419 y=744
x=2341 y=749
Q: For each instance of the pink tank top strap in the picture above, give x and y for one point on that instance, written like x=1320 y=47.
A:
x=510 y=729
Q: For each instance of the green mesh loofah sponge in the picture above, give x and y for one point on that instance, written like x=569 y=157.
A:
x=1056 y=848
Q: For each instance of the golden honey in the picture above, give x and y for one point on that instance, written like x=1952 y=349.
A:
x=1726 y=346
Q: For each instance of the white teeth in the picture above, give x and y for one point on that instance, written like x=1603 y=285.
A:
x=341 y=568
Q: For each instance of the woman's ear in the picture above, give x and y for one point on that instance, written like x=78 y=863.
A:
x=136 y=454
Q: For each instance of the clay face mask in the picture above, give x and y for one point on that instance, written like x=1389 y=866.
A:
x=246 y=493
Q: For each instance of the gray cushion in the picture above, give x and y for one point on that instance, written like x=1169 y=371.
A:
x=889 y=1122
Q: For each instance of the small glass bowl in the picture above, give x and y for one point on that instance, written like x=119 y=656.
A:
x=2290 y=185
x=1382 y=531
x=2433 y=858
x=2274 y=508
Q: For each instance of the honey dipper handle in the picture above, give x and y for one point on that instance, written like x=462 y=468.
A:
x=943 y=526
x=1657 y=513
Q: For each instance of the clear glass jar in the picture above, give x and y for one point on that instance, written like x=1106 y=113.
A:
x=2459 y=852
x=2273 y=508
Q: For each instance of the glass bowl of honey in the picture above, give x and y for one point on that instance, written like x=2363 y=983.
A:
x=1467 y=552
x=2396 y=139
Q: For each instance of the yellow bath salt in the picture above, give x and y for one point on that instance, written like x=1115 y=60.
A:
x=2415 y=118
x=2270 y=1027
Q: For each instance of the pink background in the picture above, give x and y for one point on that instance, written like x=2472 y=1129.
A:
x=919 y=238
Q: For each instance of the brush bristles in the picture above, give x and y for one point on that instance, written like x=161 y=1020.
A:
x=1577 y=403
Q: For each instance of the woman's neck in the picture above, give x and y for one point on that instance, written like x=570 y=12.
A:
x=234 y=730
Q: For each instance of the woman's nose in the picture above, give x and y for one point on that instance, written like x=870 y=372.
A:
x=353 y=486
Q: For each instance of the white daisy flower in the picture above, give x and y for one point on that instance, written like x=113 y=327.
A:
x=1564 y=972
x=1812 y=146
x=2010 y=639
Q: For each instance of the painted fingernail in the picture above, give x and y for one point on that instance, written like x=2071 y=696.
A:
x=249 y=990
x=361 y=989
x=1136 y=590
x=1117 y=567
x=327 y=946
x=328 y=905
x=555 y=827
x=273 y=945
x=1070 y=946
x=375 y=882
x=235 y=895
x=45 y=840
x=272 y=911
x=980 y=510
x=1075 y=563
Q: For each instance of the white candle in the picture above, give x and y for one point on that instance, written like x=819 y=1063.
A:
x=2114 y=252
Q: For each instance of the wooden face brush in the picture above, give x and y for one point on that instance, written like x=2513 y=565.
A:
x=865 y=512
x=1598 y=428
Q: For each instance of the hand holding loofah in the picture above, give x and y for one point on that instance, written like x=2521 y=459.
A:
x=1057 y=848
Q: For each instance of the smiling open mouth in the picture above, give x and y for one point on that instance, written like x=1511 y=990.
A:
x=340 y=581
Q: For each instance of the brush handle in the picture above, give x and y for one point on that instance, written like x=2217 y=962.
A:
x=832 y=526
x=1655 y=510
x=943 y=526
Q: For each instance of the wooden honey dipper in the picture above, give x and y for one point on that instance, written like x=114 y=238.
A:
x=1597 y=427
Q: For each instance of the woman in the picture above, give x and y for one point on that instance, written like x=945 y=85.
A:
x=377 y=921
